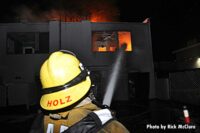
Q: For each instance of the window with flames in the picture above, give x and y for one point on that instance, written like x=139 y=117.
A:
x=110 y=41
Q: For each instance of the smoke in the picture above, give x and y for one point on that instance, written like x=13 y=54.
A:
x=24 y=13
x=69 y=11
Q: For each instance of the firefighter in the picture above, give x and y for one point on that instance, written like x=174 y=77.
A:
x=67 y=101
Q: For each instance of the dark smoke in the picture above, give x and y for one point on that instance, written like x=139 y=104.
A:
x=69 y=10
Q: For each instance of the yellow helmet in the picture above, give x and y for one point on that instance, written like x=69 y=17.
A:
x=64 y=81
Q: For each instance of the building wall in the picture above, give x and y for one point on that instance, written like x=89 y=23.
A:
x=185 y=86
x=19 y=72
x=184 y=81
x=77 y=38
x=187 y=58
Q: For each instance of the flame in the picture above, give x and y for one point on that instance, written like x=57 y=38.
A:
x=125 y=38
x=96 y=18
x=100 y=45
x=64 y=16
x=112 y=49
x=102 y=49
x=105 y=49
x=71 y=11
x=93 y=11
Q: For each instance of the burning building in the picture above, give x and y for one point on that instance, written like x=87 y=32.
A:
x=24 y=46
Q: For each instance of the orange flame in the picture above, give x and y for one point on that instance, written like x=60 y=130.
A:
x=73 y=17
x=100 y=45
x=72 y=11
x=125 y=38
x=102 y=49
x=93 y=11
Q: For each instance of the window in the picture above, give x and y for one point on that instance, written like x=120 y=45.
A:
x=109 y=41
x=27 y=42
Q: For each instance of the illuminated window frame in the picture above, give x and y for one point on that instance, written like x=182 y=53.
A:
x=109 y=41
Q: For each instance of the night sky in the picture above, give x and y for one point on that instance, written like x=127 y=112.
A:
x=174 y=24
